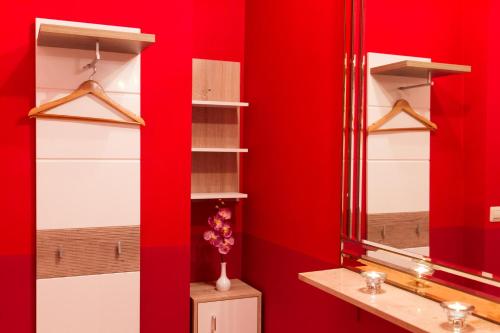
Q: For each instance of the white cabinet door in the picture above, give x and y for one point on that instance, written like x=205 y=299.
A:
x=107 y=303
x=232 y=316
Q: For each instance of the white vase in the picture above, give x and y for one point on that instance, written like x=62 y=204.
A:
x=223 y=283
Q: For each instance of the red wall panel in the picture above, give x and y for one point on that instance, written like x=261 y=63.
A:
x=166 y=81
x=294 y=75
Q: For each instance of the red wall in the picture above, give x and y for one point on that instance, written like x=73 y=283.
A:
x=293 y=70
x=166 y=72
x=482 y=132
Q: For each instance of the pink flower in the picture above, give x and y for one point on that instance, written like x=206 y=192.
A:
x=216 y=222
x=226 y=245
x=226 y=230
x=213 y=238
x=220 y=234
x=224 y=249
x=225 y=213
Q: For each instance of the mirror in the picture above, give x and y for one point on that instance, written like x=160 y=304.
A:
x=422 y=132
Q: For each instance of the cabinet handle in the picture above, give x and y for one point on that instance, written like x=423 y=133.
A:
x=214 y=324
x=382 y=233
x=119 y=250
x=60 y=252
x=418 y=230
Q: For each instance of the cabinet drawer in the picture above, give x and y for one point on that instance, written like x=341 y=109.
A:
x=229 y=316
x=87 y=251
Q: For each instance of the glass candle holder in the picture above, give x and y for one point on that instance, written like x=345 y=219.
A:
x=374 y=281
x=422 y=269
x=457 y=312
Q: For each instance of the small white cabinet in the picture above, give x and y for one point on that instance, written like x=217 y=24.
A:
x=234 y=311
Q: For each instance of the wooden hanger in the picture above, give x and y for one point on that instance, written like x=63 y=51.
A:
x=87 y=87
x=402 y=106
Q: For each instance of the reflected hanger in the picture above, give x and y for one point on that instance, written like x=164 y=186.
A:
x=88 y=87
x=402 y=106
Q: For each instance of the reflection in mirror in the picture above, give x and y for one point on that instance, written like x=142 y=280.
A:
x=432 y=142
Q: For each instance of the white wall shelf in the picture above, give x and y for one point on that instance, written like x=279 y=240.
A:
x=219 y=104
x=220 y=195
x=219 y=150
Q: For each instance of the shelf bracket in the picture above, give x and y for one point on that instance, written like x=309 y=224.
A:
x=427 y=84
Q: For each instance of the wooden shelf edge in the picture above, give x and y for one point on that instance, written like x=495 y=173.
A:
x=202 y=292
x=53 y=35
x=221 y=104
x=219 y=150
x=218 y=195
x=420 y=69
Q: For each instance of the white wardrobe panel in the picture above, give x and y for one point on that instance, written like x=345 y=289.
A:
x=87 y=193
x=107 y=303
x=238 y=315
x=60 y=68
x=403 y=145
x=397 y=186
x=81 y=139
x=382 y=90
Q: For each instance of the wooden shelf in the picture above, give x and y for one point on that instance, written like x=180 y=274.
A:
x=219 y=150
x=202 y=292
x=219 y=104
x=420 y=69
x=221 y=195
x=85 y=38
x=405 y=309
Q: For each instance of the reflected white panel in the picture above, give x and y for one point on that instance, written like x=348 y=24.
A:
x=382 y=90
x=397 y=145
x=397 y=186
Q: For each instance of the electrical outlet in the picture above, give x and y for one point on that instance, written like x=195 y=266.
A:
x=495 y=214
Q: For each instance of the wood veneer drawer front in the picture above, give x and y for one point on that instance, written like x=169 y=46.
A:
x=87 y=251
x=229 y=316
x=401 y=230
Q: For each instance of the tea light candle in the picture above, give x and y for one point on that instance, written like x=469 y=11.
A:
x=423 y=269
x=457 y=312
x=374 y=280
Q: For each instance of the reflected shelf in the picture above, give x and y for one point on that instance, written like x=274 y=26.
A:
x=219 y=150
x=219 y=104
x=218 y=195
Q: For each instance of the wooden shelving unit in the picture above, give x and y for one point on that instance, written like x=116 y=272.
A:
x=216 y=130
x=420 y=69
x=86 y=38
x=219 y=104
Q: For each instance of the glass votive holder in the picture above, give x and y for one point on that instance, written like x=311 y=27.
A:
x=422 y=269
x=457 y=312
x=374 y=281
